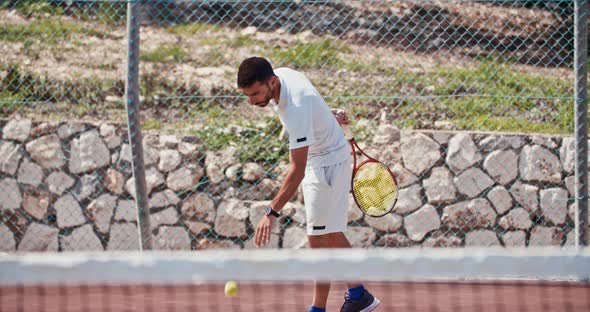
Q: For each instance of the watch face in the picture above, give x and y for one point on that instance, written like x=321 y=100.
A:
x=267 y=210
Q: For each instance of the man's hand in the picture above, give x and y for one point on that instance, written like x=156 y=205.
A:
x=341 y=116
x=263 y=230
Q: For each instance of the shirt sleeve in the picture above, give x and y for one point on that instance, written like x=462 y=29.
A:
x=299 y=123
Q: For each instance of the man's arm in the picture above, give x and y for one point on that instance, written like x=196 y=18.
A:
x=298 y=160
x=288 y=188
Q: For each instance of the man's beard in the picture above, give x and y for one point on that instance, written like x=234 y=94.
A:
x=267 y=99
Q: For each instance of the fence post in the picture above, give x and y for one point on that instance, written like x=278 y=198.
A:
x=581 y=127
x=134 y=126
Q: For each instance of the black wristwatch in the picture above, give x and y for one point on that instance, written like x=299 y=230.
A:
x=269 y=211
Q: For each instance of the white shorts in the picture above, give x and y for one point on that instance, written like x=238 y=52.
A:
x=325 y=192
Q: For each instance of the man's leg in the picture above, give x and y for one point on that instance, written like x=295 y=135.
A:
x=330 y=240
x=326 y=192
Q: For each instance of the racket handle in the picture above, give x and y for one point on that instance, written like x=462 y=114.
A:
x=347 y=132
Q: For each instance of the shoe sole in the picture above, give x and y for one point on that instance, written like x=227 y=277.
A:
x=373 y=305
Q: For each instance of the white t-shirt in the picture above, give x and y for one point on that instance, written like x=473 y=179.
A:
x=308 y=120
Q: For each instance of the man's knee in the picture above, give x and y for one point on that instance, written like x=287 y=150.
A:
x=330 y=240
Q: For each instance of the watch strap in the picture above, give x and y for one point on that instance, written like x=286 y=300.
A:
x=274 y=213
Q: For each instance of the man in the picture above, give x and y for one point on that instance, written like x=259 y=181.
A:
x=320 y=160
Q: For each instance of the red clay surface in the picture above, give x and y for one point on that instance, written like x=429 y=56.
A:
x=479 y=297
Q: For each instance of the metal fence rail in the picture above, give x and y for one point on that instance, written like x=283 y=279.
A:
x=484 y=87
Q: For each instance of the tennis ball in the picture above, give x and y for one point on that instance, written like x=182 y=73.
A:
x=231 y=289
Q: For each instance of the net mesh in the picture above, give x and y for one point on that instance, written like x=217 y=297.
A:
x=271 y=280
x=374 y=189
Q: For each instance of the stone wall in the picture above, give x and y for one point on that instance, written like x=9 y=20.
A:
x=69 y=186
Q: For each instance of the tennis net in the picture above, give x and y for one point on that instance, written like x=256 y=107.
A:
x=282 y=280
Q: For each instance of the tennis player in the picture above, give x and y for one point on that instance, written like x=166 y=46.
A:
x=320 y=160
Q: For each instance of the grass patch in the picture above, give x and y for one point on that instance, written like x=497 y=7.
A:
x=493 y=97
x=213 y=58
x=111 y=13
x=498 y=80
x=374 y=67
x=255 y=143
x=239 y=41
x=151 y=124
x=486 y=97
x=20 y=86
x=205 y=34
x=488 y=122
x=106 y=12
x=517 y=102
x=192 y=29
x=33 y=8
x=166 y=53
x=47 y=31
x=314 y=55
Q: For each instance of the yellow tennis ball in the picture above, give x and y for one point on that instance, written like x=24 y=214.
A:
x=231 y=289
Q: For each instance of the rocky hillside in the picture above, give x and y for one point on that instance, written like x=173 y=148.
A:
x=402 y=58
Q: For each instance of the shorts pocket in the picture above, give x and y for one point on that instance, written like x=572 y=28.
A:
x=315 y=177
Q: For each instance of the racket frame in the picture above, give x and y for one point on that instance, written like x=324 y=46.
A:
x=355 y=168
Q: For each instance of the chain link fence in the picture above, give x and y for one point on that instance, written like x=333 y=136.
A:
x=470 y=102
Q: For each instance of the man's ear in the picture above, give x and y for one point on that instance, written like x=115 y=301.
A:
x=273 y=81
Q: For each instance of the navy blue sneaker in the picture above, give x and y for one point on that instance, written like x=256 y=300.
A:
x=367 y=303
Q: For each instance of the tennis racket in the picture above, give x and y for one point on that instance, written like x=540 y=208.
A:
x=374 y=187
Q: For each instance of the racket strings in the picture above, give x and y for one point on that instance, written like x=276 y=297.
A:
x=375 y=189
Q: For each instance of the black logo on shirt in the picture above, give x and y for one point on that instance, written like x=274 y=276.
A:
x=301 y=139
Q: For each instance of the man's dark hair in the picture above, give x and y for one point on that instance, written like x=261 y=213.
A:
x=254 y=69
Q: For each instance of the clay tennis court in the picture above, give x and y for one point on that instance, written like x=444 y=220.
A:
x=481 y=297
